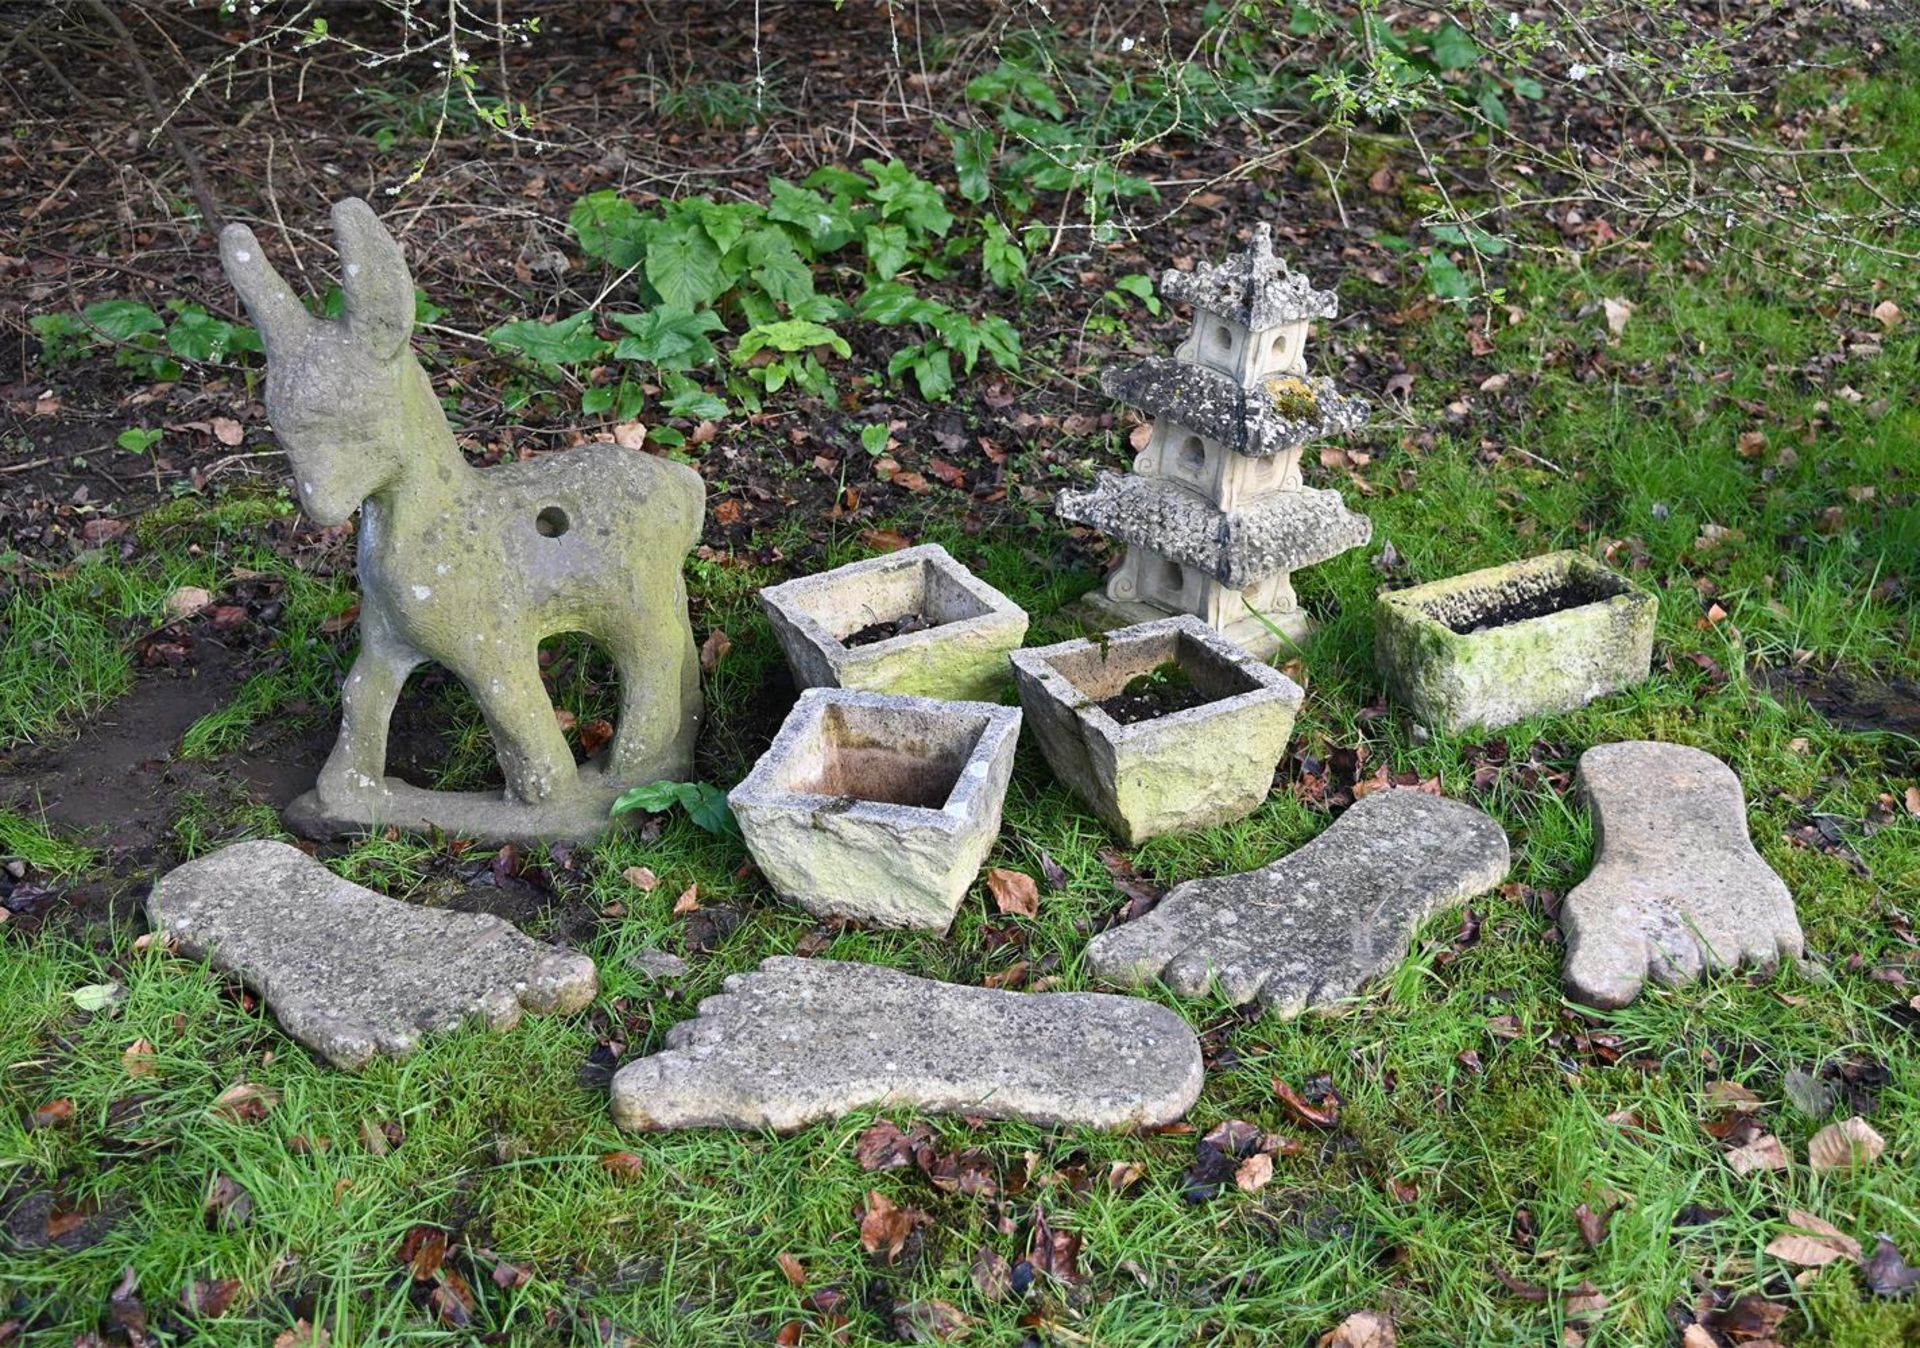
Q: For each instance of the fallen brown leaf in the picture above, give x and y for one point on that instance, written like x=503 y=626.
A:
x=1764 y=1152
x=209 y=1299
x=52 y=1113
x=1362 y=1329
x=302 y=1335
x=622 y=1164
x=247 y=1102
x=992 y=1274
x=1254 y=1173
x=1304 y=1110
x=885 y=1226
x=641 y=878
x=1844 y=1145
x=1014 y=892
x=139 y=1059
x=883 y=1147
x=423 y=1249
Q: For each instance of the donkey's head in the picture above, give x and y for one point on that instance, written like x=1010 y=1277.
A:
x=347 y=400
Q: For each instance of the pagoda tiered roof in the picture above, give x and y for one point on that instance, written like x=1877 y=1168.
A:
x=1255 y=287
x=1281 y=531
x=1275 y=415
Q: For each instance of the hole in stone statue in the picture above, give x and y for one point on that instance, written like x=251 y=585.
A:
x=552 y=522
x=1142 y=680
x=440 y=738
x=889 y=756
x=1173 y=578
x=1193 y=455
x=1525 y=596
x=1222 y=338
x=897 y=604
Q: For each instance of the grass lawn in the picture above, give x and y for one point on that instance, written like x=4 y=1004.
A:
x=1743 y=447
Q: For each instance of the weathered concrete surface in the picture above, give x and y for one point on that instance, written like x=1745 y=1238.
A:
x=1313 y=926
x=802 y=1040
x=963 y=656
x=1454 y=655
x=877 y=807
x=1207 y=765
x=351 y=973
x=472 y=569
x=1269 y=418
x=1676 y=888
x=1279 y=532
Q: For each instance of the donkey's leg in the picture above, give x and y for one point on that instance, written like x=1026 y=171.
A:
x=358 y=763
x=532 y=749
x=659 y=698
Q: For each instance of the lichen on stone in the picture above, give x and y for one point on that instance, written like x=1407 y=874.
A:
x=1293 y=398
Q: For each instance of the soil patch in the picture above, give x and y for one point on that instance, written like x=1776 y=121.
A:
x=1161 y=692
x=1573 y=592
x=1869 y=704
x=886 y=631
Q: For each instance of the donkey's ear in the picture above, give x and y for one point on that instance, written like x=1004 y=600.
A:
x=374 y=276
x=275 y=309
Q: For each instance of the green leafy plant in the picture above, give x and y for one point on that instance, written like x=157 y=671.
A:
x=151 y=342
x=949 y=332
x=139 y=439
x=705 y=804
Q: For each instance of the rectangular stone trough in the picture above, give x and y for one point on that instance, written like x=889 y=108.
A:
x=960 y=628
x=1491 y=647
x=1202 y=765
x=879 y=807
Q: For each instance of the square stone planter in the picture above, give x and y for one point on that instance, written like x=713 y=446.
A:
x=1496 y=646
x=1191 y=768
x=826 y=625
x=879 y=807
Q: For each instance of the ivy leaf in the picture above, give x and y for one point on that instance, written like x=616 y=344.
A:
x=1004 y=261
x=684 y=398
x=1445 y=279
x=1453 y=47
x=122 y=320
x=972 y=161
x=826 y=224
x=683 y=265
x=609 y=227
x=788 y=335
x=568 y=341
x=671 y=338
x=887 y=250
x=708 y=809
x=893 y=302
x=726 y=224
x=705 y=804
x=777 y=267
x=197 y=335
x=903 y=194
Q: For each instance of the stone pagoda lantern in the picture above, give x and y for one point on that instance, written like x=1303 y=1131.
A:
x=1214 y=514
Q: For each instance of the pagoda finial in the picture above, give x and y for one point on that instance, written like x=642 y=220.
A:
x=1254 y=287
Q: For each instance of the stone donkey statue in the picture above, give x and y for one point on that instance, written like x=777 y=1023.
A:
x=472 y=568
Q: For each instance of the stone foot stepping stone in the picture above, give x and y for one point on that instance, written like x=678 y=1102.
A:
x=800 y=1040
x=1316 y=924
x=351 y=973
x=1676 y=887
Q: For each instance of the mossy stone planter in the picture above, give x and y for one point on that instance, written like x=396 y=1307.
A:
x=1492 y=647
x=877 y=807
x=957 y=628
x=1195 y=767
